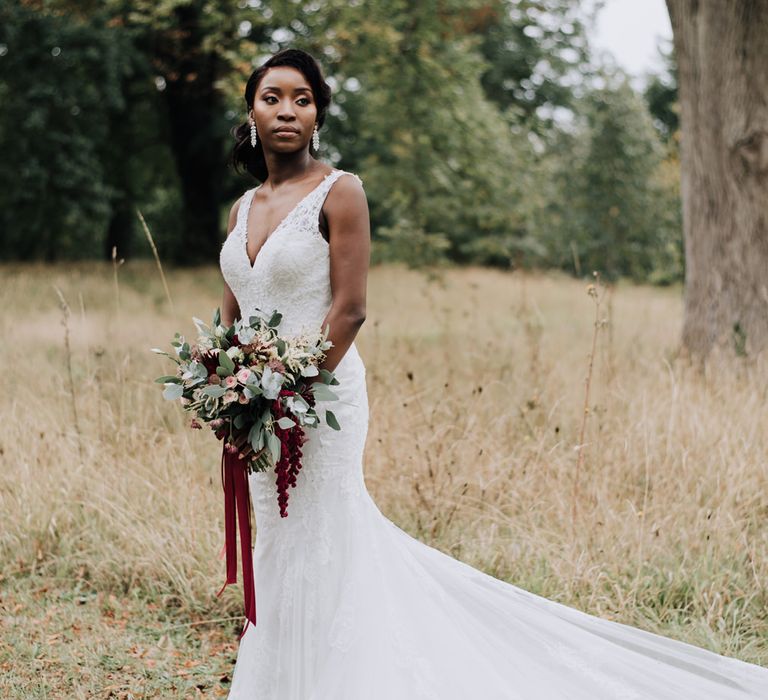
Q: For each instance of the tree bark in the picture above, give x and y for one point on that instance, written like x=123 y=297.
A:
x=722 y=55
x=195 y=109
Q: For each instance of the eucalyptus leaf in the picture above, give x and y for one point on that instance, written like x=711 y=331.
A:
x=168 y=380
x=173 y=392
x=285 y=422
x=323 y=393
x=330 y=418
x=226 y=361
x=274 y=447
x=326 y=376
x=253 y=434
x=255 y=389
x=214 y=391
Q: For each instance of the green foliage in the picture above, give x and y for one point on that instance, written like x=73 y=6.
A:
x=59 y=82
x=402 y=242
x=661 y=94
x=439 y=160
x=446 y=109
x=613 y=207
x=532 y=47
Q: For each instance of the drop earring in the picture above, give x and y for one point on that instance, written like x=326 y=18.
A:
x=315 y=139
x=254 y=138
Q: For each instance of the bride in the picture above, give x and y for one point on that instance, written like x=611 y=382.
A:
x=351 y=607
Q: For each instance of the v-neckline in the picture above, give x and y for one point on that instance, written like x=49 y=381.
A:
x=252 y=265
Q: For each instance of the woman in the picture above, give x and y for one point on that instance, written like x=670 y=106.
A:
x=350 y=607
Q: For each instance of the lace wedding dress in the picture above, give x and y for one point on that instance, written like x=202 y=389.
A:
x=351 y=607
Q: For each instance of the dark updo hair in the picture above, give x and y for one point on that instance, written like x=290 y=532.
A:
x=244 y=156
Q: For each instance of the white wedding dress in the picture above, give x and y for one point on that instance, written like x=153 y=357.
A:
x=351 y=607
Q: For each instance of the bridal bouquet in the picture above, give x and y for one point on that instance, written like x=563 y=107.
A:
x=246 y=379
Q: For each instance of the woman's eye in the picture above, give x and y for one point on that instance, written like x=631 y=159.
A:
x=267 y=99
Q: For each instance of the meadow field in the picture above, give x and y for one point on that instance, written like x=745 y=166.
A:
x=647 y=507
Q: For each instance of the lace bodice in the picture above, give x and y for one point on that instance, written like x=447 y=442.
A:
x=291 y=272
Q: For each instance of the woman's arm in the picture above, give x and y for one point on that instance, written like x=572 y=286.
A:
x=230 y=310
x=349 y=234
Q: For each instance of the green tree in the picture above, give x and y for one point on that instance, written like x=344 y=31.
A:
x=538 y=56
x=661 y=94
x=614 y=208
x=443 y=168
x=59 y=87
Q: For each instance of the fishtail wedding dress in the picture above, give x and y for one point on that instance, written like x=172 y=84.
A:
x=351 y=607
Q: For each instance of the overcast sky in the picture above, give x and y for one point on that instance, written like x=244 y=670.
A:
x=628 y=29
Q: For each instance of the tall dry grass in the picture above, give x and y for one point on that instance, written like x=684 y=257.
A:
x=476 y=387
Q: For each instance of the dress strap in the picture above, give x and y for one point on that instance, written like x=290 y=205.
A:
x=319 y=195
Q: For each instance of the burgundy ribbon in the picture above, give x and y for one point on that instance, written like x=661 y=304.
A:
x=234 y=479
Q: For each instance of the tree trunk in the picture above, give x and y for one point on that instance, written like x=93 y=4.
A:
x=722 y=54
x=195 y=110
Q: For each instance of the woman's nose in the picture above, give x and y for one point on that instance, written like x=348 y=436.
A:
x=286 y=109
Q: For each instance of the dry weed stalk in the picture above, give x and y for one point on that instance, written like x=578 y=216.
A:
x=594 y=292
x=65 y=311
x=157 y=260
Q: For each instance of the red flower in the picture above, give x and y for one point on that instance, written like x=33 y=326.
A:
x=289 y=463
x=210 y=359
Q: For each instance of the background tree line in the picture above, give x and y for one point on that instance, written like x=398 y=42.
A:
x=485 y=132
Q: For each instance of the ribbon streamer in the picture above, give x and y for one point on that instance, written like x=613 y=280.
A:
x=234 y=480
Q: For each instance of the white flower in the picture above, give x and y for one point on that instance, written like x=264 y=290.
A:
x=236 y=353
x=310 y=371
x=271 y=383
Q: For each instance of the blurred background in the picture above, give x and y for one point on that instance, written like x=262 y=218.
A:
x=512 y=133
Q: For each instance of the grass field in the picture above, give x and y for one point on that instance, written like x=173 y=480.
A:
x=111 y=508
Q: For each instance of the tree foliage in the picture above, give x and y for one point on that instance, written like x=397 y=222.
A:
x=452 y=113
x=613 y=207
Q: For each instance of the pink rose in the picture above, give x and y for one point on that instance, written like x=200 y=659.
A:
x=230 y=382
x=243 y=375
x=230 y=396
x=242 y=398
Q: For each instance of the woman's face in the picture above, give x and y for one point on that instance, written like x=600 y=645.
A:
x=284 y=110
